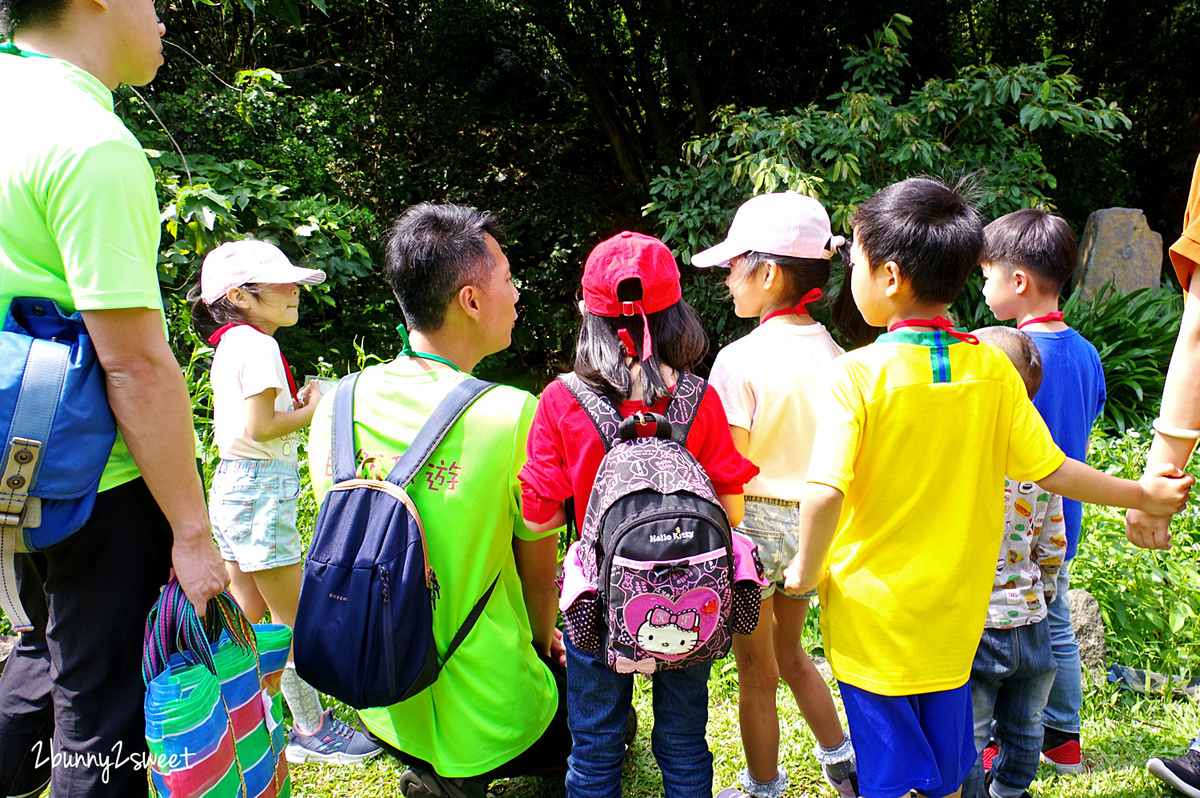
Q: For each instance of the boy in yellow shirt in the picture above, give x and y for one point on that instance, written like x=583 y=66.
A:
x=904 y=507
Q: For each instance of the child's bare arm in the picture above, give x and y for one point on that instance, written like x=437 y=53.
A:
x=558 y=519
x=735 y=506
x=265 y=423
x=1163 y=490
x=820 y=510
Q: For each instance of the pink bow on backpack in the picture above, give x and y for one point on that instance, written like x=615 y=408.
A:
x=661 y=616
x=626 y=665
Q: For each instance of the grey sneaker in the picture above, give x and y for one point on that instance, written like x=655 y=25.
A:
x=333 y=743
x=419 y=783
x=1182 y=773
x=842 y=776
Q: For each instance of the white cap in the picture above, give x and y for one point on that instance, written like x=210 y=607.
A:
x=784 y=223
x=236 y=263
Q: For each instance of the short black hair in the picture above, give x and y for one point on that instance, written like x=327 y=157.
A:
x=432 y=252
x=18 y=14
x=1035 y=240
x=1021 y=350
x=930 y=230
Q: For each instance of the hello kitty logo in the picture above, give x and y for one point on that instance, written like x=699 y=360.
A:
x=665 y=633
x=670 y=630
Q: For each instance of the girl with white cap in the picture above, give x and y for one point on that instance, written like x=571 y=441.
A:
x=248 y=290
x=770 y=381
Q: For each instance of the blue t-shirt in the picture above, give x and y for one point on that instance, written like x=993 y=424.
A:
x=1070 y=400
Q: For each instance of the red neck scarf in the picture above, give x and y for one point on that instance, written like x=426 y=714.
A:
x=938 y=323
x=216 y=337
x=800 y=307
x=1055 y=316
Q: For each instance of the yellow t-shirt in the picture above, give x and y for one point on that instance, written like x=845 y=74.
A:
x=918 y=434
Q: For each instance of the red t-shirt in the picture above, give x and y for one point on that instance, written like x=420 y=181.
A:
x=565 y=452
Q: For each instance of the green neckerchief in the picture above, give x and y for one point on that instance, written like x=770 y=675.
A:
x=9 y=48
x=410 y=352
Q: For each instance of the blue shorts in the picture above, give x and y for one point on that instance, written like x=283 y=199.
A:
x=773 y=525
x=252 y=509
x=922 y=742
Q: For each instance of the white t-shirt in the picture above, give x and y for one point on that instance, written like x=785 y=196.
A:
x=247 y=362
x=771 y=382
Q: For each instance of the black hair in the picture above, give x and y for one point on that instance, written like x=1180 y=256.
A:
x=18 y=14
x=679 y=343
x=845 y=314
x=1021 y=350
x=1035 y=240
x=208 y=317
x=930 y=230
x=800 y=275
x=804 y=274
x=432 y=252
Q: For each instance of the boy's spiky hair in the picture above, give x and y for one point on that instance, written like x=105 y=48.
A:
x=929 y=229
x=18 y=14
x=1034 y=240
x=1021 y=350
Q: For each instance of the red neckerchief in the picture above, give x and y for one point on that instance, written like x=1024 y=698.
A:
x=1055 y=316
x=216 y=337
x=938 y=323
x=812 y=296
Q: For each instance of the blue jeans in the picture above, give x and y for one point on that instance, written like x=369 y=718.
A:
x=1066 y=697
x=598 y=702
x=1010 y=681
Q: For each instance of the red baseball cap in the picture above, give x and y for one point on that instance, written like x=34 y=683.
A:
x=628 y=256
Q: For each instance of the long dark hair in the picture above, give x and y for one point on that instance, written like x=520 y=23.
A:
x=679 y=342
x=207 y=317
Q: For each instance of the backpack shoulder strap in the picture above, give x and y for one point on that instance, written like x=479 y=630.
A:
x=341 y=441
x=685 y=404
x=448 y=411
x=603 y=414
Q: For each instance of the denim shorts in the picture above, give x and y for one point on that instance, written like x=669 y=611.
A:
x=773 y=525
x=252 y=509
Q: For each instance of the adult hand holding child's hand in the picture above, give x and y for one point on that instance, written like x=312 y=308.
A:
x=1166 y=489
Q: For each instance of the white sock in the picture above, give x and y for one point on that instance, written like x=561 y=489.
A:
x=302 y=700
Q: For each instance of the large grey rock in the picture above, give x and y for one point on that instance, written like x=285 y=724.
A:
x=1089 y=631
x=1118 y=245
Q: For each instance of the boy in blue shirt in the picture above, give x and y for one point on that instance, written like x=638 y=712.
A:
x=1028 y=257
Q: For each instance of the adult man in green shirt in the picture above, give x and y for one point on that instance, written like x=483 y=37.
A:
x=498 y=708
x=79 y=224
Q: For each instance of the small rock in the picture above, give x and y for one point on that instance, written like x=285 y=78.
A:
x=6 y=646
x=1118 y=245
x=1089 y=631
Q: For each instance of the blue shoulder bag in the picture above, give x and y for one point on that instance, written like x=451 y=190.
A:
x=58 y=434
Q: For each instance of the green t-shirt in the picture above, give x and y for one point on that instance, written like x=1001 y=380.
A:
x=495 y=697
x=78 y=215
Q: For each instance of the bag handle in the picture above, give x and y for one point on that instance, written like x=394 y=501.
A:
x=685 y=404
x=435 y=429
x=605 y=417
x=341 y=441
x=662 y=428
x=174 y=624
x=448 y=411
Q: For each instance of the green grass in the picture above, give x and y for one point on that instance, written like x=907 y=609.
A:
x=1120 y=732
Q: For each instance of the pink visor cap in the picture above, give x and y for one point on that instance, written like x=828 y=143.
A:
x=237 y=263
x=784 y=223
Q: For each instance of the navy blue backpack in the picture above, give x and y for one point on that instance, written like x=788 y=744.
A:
x=364 y=627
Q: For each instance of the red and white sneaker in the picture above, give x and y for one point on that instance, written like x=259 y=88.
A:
x=989 y=754
x=1061 y=749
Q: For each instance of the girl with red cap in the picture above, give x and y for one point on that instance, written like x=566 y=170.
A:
x=636 y=338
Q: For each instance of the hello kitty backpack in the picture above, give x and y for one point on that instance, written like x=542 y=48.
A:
x=657 y=579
